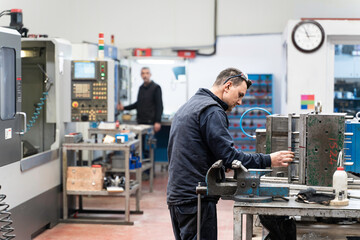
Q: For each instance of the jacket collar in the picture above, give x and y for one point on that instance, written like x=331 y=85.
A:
x=147 y=86
x=204 y=91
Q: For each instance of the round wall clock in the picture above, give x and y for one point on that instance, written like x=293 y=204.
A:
x=308 y=36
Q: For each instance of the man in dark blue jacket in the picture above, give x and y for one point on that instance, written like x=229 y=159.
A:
x=199 y=137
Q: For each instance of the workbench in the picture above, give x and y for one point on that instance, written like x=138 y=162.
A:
x=128 y=191
x=139 y=130
x=244 y=211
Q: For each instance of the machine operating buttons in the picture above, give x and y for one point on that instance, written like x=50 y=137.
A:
x=75 y=104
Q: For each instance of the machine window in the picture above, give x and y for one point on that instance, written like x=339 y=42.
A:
x=7 y=83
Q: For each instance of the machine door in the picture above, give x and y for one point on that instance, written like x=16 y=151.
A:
x=10 y=96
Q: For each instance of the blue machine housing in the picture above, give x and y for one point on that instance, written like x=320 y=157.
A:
x=353 y=149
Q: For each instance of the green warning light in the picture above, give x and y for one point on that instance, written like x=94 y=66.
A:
x=102 y=74
x=102 y=66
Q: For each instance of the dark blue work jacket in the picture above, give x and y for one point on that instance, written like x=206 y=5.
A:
x=199 y=136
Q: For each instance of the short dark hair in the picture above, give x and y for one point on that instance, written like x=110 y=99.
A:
x=233 y=74
x=145 y=68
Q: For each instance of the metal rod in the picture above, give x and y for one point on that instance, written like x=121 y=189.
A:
x=198 y=215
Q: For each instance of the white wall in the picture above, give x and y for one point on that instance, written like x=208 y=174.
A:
x=314 y=73
x=251 y=54
x=173 y=92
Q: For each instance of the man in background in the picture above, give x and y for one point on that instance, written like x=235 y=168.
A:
x=149 y=106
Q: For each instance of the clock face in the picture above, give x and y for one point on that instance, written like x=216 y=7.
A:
x=308 y=36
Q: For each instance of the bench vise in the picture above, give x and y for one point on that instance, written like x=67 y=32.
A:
x=245 y=186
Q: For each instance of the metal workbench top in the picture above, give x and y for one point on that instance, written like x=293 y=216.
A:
x=293 y=208
x=100 y=146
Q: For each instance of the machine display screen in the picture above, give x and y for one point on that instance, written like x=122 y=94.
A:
x=84 y=70
x=81 y=90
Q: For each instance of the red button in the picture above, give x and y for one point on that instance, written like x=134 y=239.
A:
x=75 y=104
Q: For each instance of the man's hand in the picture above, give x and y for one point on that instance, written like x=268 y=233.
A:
x=281 y=158
x=157 y=127
x=120 y=107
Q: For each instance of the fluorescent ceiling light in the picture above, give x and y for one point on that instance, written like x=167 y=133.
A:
x=155 y=61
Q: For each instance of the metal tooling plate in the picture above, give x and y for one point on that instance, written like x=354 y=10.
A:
x=325 y=138
x=260 y=140
x=279 y=140
x=276 y=126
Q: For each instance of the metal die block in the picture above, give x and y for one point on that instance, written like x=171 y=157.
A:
x=325 y=139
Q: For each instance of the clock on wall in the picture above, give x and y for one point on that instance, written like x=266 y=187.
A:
x=308 y=36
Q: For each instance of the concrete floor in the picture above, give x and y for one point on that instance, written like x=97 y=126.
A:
x=155 y=224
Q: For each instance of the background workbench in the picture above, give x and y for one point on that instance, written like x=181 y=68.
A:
x=126 y=147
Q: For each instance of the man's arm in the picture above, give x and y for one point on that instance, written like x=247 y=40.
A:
x=216 y=135
x=158 y=109
x=158 y=104
x=131 y=106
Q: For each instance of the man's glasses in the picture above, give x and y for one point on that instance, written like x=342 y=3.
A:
x=242 y=76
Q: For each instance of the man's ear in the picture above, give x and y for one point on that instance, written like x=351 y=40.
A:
x=227 y=86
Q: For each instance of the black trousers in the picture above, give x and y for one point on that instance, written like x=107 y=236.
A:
x=184 y=221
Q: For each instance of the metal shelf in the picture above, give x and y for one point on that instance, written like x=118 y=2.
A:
x=129 y=189
x=348 y=99
x=133 y=190
x=139 y=129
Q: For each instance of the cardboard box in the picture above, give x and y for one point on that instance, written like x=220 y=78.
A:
x=84 y=179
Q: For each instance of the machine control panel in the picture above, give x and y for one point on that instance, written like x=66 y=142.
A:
x=89 y=91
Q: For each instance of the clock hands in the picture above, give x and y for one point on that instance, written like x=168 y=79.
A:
x=307 y=34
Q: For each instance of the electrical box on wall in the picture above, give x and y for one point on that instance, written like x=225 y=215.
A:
x=186 y=53
x=142 y=52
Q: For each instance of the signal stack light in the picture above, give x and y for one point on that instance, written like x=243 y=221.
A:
x=101 y=46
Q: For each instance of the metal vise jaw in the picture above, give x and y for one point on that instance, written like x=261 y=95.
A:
x=245 y=186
